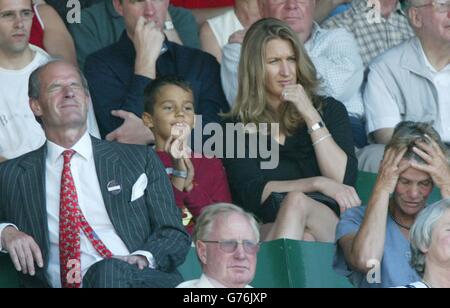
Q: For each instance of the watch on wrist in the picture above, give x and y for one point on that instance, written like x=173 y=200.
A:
x=179 y=174
x=168 y=25
x=316 y=126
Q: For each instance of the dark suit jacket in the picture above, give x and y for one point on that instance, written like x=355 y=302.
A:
x=151 y=223
x=113 y=84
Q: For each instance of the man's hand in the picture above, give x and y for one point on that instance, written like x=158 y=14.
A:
x=140 y=261
x=390 y=169
x=437 y=164
x=22 y=249
x=346 y=196
x=2 y=159
x=148 y=39
x=132 y=131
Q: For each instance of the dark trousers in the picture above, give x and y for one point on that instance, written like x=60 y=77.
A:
x=359 y=131
x=115 y=273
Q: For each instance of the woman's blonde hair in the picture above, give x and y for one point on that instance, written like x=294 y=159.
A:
x=251 y=104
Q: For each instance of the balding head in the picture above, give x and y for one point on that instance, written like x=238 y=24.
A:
x=298 y=14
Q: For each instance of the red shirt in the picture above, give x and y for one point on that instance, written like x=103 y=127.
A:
x=210 y=186
x=202 y=4
x=37 y=31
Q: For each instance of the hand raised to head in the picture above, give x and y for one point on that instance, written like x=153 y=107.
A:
x=436 y=164
x=296 y=94
x=391 y=168
x=147 y=40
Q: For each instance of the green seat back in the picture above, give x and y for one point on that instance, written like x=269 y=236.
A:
x=281 y=263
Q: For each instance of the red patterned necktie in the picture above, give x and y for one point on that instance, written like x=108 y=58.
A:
x=71 y=222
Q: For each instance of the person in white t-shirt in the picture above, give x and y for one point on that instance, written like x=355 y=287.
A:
x=20 y=133
x=410 y=82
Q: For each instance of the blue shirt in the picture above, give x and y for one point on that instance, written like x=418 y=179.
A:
x=395 y=266
x=340 y=9
x=113 y=84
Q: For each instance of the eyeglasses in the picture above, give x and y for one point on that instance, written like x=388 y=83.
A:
x=10 y=16
x=230 y=246
x=440 y=6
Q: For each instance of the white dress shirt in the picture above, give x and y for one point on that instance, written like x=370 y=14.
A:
x=204 y=282
x=91 y=203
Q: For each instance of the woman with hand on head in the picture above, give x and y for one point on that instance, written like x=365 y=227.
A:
x=312 y=184
x=197 y=181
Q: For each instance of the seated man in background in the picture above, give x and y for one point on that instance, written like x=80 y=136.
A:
x=86 y=212
x=101 y=26
x=227 y=242
x=373 y=37
x=375 y=238
x=20 y=133
x=118 y=74
x=410 y=82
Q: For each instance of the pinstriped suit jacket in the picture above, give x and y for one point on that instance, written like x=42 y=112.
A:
x=151 y=223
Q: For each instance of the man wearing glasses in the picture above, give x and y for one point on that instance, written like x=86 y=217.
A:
x=410 y=82
x=227 y=242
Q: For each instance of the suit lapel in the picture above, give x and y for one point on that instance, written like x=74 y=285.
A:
x=32 y=190
x=110 y=173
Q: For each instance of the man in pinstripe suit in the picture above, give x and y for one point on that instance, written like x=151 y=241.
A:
x=121 y=191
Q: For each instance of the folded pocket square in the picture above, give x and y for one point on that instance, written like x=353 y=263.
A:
x=139 y=187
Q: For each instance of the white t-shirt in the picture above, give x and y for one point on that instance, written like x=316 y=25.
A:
x=20 y=133
x=223 y=26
